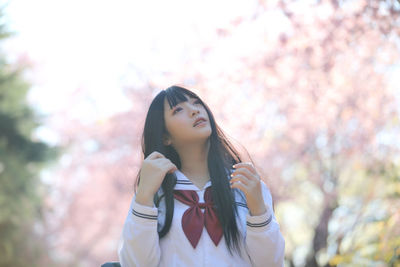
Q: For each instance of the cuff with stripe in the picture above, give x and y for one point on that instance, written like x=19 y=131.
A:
x=260 y=222
x=144 y=213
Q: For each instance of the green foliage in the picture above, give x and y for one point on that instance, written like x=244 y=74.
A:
x=21 y=159
x=374 y=237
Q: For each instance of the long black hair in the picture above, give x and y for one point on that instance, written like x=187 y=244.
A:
x=221 y=156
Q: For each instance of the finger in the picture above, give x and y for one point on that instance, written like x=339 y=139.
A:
x=166 y=163
x=248 y=165
x=247 y=173
x=161 y=161
x=155 y=155
x=239 y=185
x=172 y=168
x=240 y=178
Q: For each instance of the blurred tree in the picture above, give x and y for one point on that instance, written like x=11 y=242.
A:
x=21 y=158
x=365 y=225
x=333 y=95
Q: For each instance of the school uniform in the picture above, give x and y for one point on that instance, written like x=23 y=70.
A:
x=262 y=243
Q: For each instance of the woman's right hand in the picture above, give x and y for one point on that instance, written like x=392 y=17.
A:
x=152 y=173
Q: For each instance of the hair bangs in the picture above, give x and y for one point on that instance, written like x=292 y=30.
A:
x=176 y=95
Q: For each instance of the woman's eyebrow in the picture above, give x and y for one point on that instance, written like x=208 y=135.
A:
x=173 y=107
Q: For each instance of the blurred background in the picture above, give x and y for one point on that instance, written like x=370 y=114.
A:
x=310 y=88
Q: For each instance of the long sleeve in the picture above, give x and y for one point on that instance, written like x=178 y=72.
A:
x=265 y=242
x=140 y=241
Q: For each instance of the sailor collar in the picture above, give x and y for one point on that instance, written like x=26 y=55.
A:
x=183 y=183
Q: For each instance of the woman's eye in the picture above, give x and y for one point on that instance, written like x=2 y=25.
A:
x=178 y=108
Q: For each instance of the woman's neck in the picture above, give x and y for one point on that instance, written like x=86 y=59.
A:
x=194 y=162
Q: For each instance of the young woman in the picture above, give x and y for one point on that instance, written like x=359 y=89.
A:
x=196 y=203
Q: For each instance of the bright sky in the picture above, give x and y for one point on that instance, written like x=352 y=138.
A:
x=93 y=44
x=98 y=45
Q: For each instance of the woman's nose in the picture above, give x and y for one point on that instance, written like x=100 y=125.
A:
x=194 y=111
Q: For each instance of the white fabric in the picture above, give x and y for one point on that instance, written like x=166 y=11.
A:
x=262 y=245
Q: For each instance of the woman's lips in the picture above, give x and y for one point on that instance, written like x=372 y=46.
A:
x=198 y=120
x=200 y=123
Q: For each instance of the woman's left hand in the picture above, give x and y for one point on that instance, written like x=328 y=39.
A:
x=246 y=178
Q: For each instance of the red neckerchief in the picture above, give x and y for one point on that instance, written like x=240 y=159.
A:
x=193 y=219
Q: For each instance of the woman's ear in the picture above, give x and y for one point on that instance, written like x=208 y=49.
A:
x=166 y=141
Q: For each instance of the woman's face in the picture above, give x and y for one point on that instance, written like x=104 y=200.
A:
x=180 y=120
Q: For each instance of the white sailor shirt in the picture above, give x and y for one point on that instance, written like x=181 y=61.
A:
x=262 y=242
